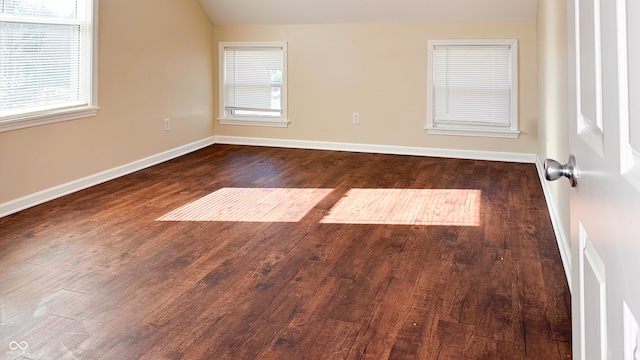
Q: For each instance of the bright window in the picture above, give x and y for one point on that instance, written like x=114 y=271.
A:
x=253 y=86
x=47 y=53
x=473 y=88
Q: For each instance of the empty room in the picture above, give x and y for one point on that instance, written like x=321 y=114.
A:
x=241 y=179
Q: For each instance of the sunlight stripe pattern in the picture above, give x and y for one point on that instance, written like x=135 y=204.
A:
x=250 y=205
x=448 y=207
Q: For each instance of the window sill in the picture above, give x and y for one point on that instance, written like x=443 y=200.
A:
x=477 y=132
x=281 y=123
x=47 y=118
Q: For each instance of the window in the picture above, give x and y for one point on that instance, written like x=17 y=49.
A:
x=473 y=88
x=253 y=84
x=47 y=54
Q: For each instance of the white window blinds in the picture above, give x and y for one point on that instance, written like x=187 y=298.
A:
x=253 y=81
x=45 y=56
x=472 y=84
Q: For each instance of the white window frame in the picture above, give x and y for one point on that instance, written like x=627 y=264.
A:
x=26 y=120
x=225 y=117
x=480 y=129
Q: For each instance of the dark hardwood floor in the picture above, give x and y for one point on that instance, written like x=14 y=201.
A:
x=93 y=275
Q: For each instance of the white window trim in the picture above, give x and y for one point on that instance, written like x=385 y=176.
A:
x=480 y=130
x=224 y=119
x=59 y=115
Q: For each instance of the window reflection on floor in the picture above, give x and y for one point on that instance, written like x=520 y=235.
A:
x=250 y=205
x=449 y=207
x=452 y=207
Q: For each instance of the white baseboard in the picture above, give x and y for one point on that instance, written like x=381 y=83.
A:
x=379 y=149
x=43 y=196
x=564 y=244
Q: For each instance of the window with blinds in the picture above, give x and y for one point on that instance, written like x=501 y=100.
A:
x=253 y=86
x=473 y=88
x=46 y=60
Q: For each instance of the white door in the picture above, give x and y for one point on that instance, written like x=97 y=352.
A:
x=604 y=110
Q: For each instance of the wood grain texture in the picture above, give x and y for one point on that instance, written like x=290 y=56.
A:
x=93 y=275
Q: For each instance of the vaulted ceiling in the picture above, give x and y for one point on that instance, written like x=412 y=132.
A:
x=364 y=11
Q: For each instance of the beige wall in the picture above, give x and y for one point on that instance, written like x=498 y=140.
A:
x=155 y=61
x=380 y=71
x=553 y=92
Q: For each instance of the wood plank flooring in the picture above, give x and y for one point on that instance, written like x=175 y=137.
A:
x=93 y=275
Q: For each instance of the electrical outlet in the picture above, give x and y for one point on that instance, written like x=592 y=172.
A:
x=356 y=118
x=167 y=124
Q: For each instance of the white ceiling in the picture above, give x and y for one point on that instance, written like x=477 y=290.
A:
x=364 y=11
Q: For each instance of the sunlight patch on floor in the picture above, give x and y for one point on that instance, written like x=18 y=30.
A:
x=449 y=207
x=250 y=205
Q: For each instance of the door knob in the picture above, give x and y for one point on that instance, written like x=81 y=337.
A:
x=553 y=170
